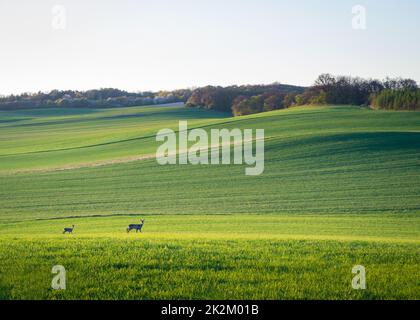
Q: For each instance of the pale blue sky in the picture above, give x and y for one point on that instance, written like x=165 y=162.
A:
x=167 y=44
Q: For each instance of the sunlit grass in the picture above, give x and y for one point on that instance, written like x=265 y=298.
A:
x=340 y=188
x=191 y=257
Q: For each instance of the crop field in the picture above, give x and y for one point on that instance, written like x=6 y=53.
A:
x=341 y=188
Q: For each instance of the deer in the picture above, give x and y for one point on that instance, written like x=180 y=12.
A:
x=136 y=227
x=69 y=230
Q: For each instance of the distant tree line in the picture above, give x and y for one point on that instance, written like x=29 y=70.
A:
x=406 y=99
x=395 y=94
x=243 y=100
x=108 y=97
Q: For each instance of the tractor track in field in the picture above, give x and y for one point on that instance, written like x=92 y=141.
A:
x=98 y=163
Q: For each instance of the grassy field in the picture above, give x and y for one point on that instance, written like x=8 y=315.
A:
x=188 y=257
x=340 y=188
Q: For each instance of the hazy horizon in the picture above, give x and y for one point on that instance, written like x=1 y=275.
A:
x=162 y=45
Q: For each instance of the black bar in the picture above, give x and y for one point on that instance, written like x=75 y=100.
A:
x=209 y=309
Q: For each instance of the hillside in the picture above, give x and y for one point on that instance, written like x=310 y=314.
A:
x=318 y=160
x=340 y=188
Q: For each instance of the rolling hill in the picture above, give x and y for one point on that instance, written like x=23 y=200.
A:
x=340 y=188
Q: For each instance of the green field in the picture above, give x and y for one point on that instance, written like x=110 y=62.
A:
x=341 y=187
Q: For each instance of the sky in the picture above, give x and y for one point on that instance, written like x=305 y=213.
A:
x=165 y=44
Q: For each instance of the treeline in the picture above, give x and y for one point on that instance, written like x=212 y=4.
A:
x=393 y=94
x=108 y=97
x=242 y=100
x=396 y=94
x=397 y=99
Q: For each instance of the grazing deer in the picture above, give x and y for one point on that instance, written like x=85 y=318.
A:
x=69 y=230
x=136 y=227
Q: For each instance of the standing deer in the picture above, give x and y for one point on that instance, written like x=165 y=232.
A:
x=136 y=227
x=69 y=230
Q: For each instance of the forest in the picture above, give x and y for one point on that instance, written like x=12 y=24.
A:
x=97 y=98
x=390 y=94
x=395 y=94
